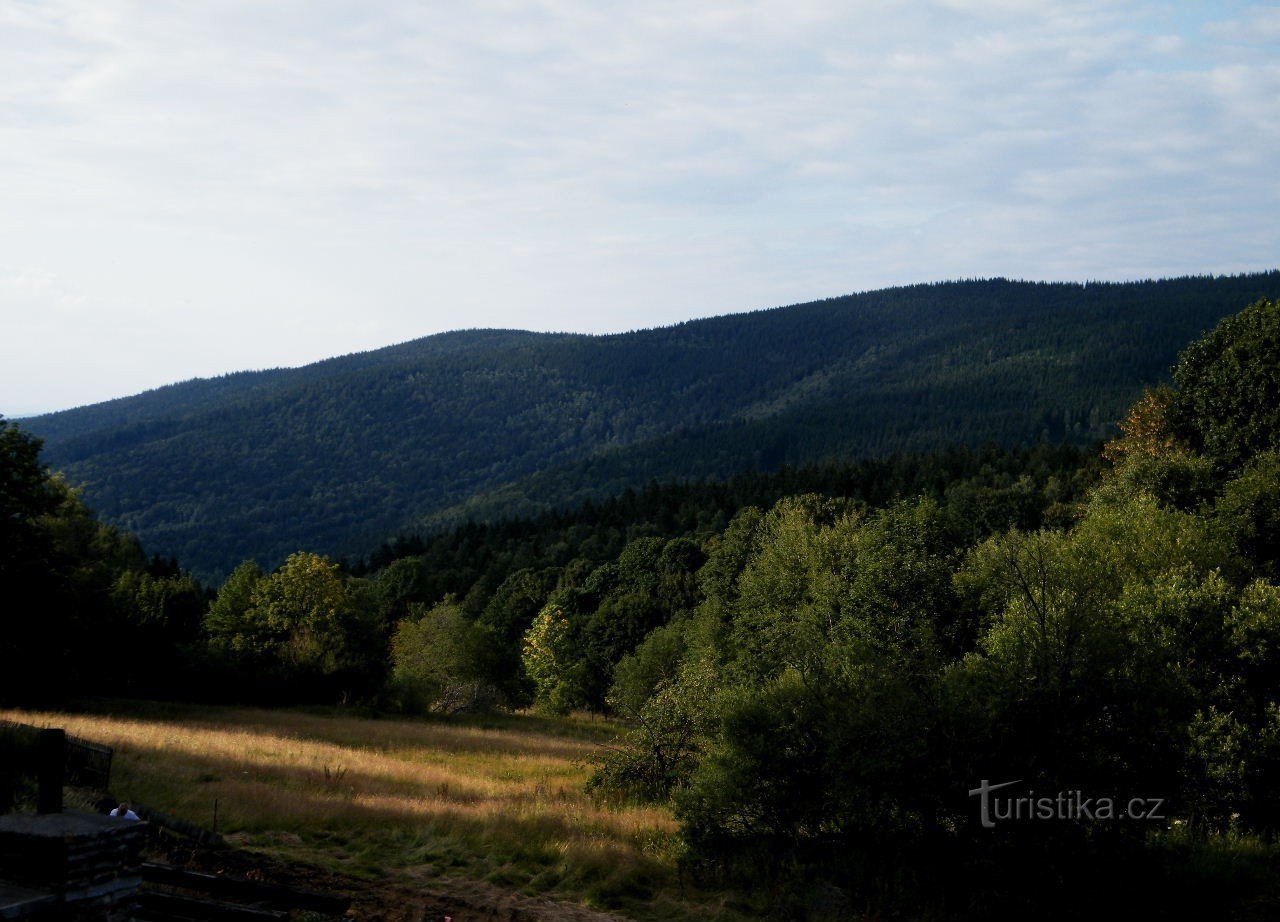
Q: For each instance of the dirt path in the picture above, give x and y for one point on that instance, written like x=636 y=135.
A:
x=392 y=901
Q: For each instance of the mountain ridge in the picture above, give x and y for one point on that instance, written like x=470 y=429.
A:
x=337 y=455
x=237 y=382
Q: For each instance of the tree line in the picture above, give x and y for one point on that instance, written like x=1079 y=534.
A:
x=320 y=629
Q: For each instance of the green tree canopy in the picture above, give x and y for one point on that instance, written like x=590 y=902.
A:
x=1228 y=397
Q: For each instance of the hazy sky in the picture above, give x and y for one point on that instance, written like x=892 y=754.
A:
x=188 y=188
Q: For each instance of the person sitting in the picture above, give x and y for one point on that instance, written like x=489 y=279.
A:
x=123 y=812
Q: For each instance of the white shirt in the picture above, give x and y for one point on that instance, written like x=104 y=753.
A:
x=129 y=815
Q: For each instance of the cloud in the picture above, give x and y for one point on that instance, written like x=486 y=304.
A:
x=240 y=183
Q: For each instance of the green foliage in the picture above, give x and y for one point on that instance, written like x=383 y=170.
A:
x=670 y=730
x=595 y=618
x=1228 y=397
x=788 y=710
x=83 y=596
x=517 y=601
x=1100 y=643
x=827 y=584
x=164 y=611
x=299 y=614
x=1254 y=628
x=655 y=662
x=552 y=662
x=227 y=623
x=307 y=624
x=1250 y=511
x=1177 y=478
x=439 y=661
x=401 y=583
x=506 y=616
x=27 y=493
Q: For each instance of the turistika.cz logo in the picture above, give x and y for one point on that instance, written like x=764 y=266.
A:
x=1064 y=805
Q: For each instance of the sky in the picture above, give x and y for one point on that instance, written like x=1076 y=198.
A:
x=192 y=187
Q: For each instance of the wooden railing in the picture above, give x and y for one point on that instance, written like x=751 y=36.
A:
x=53 y=759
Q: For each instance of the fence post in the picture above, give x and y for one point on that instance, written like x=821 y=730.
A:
x=51 y=759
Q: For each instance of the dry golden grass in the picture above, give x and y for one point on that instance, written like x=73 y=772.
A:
x=501 y=801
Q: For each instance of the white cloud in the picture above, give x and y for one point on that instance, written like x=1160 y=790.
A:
x=241 y=184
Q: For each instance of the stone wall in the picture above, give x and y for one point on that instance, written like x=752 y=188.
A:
x=87 y=861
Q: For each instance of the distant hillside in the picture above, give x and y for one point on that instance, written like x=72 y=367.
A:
x=338 y=455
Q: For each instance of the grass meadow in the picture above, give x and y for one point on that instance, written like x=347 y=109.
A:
x=498 y=800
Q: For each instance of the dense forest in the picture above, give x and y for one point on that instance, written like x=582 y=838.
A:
x=485 y=425
x=100 y=591
x=815 y=667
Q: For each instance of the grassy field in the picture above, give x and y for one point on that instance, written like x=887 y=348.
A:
x=498 y=800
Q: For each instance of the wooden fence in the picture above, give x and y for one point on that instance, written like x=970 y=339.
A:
x=52 y=759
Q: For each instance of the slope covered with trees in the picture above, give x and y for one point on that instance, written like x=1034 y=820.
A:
x=338 y=455
x=849 y=679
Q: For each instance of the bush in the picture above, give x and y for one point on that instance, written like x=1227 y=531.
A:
x=438 y=662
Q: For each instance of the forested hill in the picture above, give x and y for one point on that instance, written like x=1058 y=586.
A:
x=189 y=397
x=335 y=456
